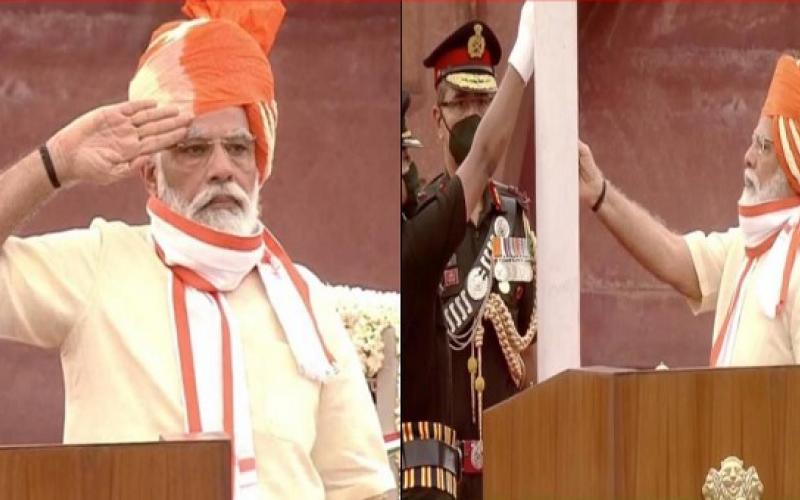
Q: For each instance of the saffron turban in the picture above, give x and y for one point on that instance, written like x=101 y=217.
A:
x=215 y=60
x=783 y=107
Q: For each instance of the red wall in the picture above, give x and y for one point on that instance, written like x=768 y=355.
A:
x=332 y=198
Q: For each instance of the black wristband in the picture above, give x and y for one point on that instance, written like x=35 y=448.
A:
x=600 y=198
x=48 y=166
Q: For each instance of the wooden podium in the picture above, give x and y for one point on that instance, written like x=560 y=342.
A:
x=183 y=470
x=605 y=434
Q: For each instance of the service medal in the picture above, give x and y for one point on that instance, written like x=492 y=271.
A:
x=500 y=271
x=477 y=284
x=501 y=227
x=477 y=455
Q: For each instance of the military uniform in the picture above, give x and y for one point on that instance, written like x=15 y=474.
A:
x=430 y=459
x=487 y=286
x=463 y=295
x=467 y=291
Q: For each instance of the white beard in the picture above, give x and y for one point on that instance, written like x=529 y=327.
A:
x=774 y=188
x=241 y=221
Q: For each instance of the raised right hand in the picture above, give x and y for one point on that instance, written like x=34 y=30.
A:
x=521 y=56
x=589 y=175
x=110 y=143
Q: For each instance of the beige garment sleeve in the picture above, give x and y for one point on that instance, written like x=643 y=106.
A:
x=46 y=283
x=792 y=317
x=709 y=253
x=349 y=451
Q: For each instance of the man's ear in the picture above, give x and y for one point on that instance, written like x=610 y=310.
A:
x=147 y=170
x=436 y=113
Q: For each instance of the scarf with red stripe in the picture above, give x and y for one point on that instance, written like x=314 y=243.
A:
x=205 y=264
x=772 y=237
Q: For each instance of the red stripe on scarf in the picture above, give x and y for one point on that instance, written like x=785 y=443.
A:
x=201 y=232
x=768 y=207
x=787 y=268
x=187 y=360
x=715 y=350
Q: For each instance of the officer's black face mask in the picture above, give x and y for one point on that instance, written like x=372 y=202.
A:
x=461 y=136
x=411 y=181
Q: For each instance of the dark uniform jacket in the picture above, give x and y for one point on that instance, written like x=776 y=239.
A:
x=499 y=201
x=428 y=239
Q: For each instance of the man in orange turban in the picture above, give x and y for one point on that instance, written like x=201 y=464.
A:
x=199 y=321
x=748 y=273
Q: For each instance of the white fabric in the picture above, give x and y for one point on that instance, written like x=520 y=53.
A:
x=756 y=229
x=729 y=341
x=521 y=56
x=225 y=269
x=294 y=318
x=768 y=287
x=204 y=331
x=161 y=79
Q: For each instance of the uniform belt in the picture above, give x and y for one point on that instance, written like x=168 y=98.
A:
x=472 y=456
x=430 y=457
x=430 y=452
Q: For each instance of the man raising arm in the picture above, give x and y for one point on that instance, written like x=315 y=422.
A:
x=748 y=273
x=101 y=147
x=660 y=250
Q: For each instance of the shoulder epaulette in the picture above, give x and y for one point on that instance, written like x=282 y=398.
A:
x=430 y=189
x=514 y=192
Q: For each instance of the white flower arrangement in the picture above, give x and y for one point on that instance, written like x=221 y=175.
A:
x=366 y=314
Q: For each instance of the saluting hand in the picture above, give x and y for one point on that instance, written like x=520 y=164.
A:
x=109 y=143
x=590 y=176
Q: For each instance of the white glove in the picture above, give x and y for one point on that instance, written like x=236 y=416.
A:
x=521 y=56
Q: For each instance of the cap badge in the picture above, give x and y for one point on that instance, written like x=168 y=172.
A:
x=476 y=44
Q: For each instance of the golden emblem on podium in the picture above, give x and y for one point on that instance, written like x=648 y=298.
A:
x=476 y=44
x=733 y=482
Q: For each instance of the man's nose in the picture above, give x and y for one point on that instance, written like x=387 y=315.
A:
x=750 y=157
x=477 y=108
x=220 y=166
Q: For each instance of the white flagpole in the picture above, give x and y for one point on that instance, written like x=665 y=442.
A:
x=558 y=258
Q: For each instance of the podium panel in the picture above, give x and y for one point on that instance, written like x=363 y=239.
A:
x=597 y=433
x=186 y=470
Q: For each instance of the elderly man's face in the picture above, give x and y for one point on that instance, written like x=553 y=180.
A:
x=763 y=178
x=211 y=175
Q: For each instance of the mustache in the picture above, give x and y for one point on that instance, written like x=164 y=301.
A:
x=751 y=181
x=230 y=188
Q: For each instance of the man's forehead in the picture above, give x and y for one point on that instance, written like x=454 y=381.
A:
x=219 y=123
x=764 y=128
x=201 y=132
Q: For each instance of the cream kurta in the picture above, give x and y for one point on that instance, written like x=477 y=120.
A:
x=718 y=259
x=100 y=296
